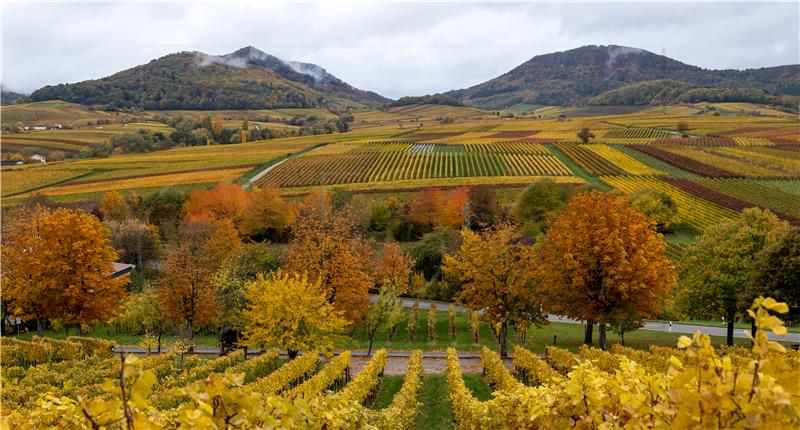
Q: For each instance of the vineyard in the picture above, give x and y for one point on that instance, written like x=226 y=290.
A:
x=727 y=163
x=397 y=161
x=80 y=383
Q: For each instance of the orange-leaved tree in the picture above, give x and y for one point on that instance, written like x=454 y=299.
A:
x=394 y=266
x=494 y=269
x=25 y=284
x=436 y=207
x=59 y=264
x=602 y=260
x=267 y=216
x=186 y=288
x=225 y=201
x=328 y=246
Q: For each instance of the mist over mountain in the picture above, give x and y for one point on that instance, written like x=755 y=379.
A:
x=245 y=79
x=575 y=76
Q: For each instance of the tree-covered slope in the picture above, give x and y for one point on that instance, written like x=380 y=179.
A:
x=575 y=76
x=245 y=79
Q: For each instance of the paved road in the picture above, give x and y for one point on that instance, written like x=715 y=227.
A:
x=792 y=337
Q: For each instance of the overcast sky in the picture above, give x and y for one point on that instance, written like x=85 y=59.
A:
x=395 y=49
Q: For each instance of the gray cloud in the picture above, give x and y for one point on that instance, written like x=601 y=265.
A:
x=395 y=49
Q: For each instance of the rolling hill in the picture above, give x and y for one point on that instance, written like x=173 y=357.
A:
x=573 y=77
x=245 y=79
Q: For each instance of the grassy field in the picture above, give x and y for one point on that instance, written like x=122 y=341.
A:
x=564 y=335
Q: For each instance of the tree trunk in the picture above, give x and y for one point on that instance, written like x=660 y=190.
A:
x=730 y=330
x=587 y=338
x=190 y=333
x=502 y=337
x=159 y=340
x=602 y=337
x=622 y=336
x=39 y=328
x=291 y=353
x=78 y=330
x=369 y=351
x=753 y=328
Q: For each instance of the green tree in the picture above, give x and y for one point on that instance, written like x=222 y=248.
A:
x=378 y=314
x=656 y=206
x=776 y=273
x=537 y=203
x=716 y=270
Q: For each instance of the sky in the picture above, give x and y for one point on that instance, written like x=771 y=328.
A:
x=395 y=49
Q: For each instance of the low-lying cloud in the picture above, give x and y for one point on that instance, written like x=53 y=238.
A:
x=395 y=49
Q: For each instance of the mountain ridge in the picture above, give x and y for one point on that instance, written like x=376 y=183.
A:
x=574 y=76
x=244 y=79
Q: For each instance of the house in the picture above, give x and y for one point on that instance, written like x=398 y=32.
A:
x=121 y=269
x=38 y=158
x=39 y=127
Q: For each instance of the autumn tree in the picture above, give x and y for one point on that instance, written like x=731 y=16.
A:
x=394 y=266
x=328 y=245
x=135 y=241
x=186 y=288
x=290 y=312
x=585 y=134
x=776 y=273
x=715 y=271
x=602 y=260
x=24 y=282
x=494 y=268
x=657 y=206
x=58 y=264
x=266 y=216
x=164 y=209
x=217 y=126
x=225 y=201
x=484 y=208
x=113 y=207
x=434 y=207
x=380 y=311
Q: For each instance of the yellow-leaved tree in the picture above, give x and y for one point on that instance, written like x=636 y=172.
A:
x=289 y=312
x=494 y=269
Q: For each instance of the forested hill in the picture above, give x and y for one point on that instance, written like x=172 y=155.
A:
x=573 y=77
x=193 y=80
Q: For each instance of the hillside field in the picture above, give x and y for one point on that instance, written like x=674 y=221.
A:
x=726 y=162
